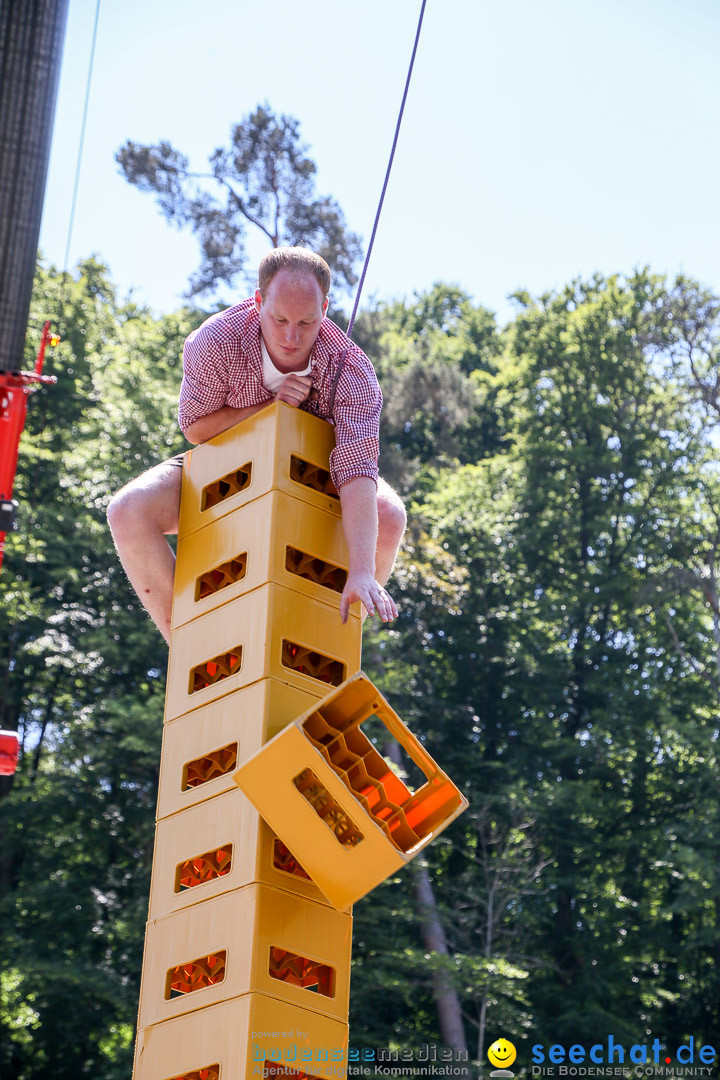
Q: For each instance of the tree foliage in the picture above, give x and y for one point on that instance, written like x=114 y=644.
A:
x=263 y=178
x=557 y=638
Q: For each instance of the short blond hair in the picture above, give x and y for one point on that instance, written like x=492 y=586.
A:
x=296 y=259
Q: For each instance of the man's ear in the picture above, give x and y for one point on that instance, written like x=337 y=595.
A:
x=325 y=305
x=258 y=300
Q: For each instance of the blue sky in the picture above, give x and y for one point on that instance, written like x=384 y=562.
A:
x=541 y=141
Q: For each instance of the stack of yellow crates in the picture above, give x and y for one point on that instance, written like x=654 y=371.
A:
x=246 y=964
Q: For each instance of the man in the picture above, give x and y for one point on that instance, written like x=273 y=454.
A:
x=276 y=346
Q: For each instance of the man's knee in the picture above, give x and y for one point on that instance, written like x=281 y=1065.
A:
x=391 y=514
x=127 y=506
x=150 y=501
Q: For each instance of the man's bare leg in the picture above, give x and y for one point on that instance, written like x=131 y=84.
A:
x=391 y=526
x=140 y=516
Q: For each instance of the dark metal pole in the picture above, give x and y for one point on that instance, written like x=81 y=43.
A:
x=32 y=34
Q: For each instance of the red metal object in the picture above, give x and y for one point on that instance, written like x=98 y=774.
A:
x=9 y=750
x=14 y=389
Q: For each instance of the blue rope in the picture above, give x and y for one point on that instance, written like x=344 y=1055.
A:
x=387 y=174
x=81 y=147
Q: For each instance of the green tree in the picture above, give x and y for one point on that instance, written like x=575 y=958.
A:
x=263 y=178
x=535 y=655
x=437 y=357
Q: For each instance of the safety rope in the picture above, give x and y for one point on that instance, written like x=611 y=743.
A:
x=387 y=174
x=73 y=205
x=58 y=320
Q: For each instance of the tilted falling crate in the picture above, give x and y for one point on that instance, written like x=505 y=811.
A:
x=332 y=797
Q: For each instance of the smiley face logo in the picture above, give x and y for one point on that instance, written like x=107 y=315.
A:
x=502 y=1053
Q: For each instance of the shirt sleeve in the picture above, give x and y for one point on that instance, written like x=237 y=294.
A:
x=205 y=383
x=358 y=403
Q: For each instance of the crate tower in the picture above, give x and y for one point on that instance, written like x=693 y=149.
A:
x=246 y=968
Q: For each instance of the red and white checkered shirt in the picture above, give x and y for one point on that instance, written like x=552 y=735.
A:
x=222 y=365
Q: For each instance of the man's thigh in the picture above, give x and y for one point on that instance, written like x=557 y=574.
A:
x=155 y=494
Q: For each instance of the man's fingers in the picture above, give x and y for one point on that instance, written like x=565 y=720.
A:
x=297 y=386
x=346 y=601
x=385 y=606
x=289 y=396
x=294 y=390
x=376 y=602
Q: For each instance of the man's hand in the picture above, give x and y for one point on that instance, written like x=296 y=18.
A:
x=365 y=588
x=358 y=499
x=294 y=390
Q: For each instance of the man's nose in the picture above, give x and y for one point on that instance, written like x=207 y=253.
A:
x=292 y=334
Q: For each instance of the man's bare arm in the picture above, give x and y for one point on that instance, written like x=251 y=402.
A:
x=293 y=391
x=208 y=426
x=358 y=498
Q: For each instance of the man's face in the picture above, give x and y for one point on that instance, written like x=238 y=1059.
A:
x=290 y=317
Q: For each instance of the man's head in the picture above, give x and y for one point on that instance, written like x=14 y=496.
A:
x=298 y=261
x=291 y=300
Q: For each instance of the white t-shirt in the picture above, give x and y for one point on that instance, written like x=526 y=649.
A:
x=272 y=377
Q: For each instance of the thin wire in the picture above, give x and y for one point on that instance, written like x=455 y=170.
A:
x=387 y=174
x=78 y=166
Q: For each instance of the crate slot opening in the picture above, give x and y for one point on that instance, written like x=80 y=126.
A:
x=327 y=574
x=297 y=970
x=312 y=663
x=220 y=577
x=208 y=767
x=285 y=861
x=227 y=486
x=208 y=1072
x=328 y=810
x=201 y=868
x=312 y=476
x=195 y=975
x=215 y=670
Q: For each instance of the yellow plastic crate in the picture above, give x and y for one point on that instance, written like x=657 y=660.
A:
x=201 y=749
x=340 y=807
x=275 y=538
x=279 y=447
x=254 y=939
x=271 y=632
x=239 y=1039
x=215 y=847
